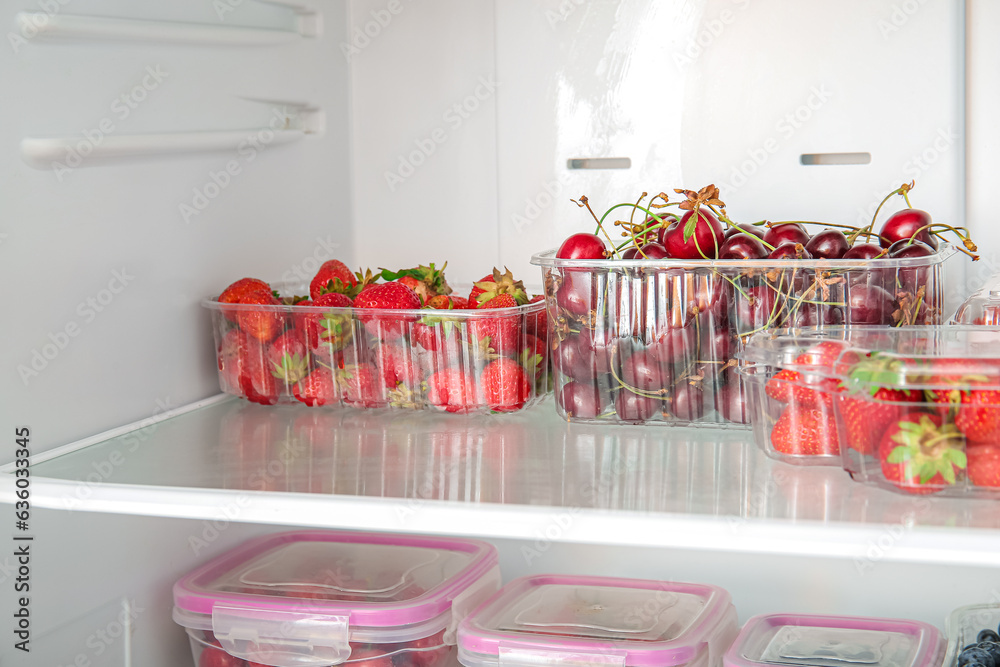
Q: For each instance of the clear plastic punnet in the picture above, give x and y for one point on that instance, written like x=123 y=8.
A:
x=911 y=409
x=448 y=360
x=651 y=340
x=964 y=625
x=982 y=307
x=320 y=598
x=835 y=641
x=555 y=620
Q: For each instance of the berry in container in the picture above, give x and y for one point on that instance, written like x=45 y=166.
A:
x=973 y=636
x=982 y=307
x=914 y=410
x=332 y=351
x=834 y=641
x=321 y=598
x=577 y=620
x=657 y=340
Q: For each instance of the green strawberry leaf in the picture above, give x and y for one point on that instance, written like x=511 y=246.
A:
x=899 y=454
x=948 y=472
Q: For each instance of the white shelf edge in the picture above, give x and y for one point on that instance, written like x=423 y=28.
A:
x=101 y=28
x=538 y=525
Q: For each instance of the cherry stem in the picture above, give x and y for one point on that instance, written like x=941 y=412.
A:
x=600 y=223
x=868 y=229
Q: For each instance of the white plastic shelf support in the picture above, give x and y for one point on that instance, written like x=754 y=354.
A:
x=101 y=28
x=45 y=153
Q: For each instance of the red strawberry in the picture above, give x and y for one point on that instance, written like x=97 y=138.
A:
x=533 y=356
x=805 y=432
x=496 y=284
x=317 y=388
x=979 y=415
x=359 y=384
x=239 y=289
x=822 y=354
x=452 y=389
x=505 y=385
x=866 y=417
x=788 y=386
x=332 y=328
x=398 y=366
x=389 y=296
x=920 y=454
x=426 y=281
x=288 y=357
x=460 y=303
x=214 y=656
x=333 y=276
x=418 y=287
x=538 y=323
x=260 y=323
x=256 y=381
x=232 y=358
x=447 y=302
x=496 y=335
x=984 y=465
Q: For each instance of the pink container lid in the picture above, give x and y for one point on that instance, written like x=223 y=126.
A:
x=835 y=641
x=303 y=596
x=554 y=619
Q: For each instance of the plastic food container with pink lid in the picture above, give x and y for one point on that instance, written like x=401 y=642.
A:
x=835 y=641
x=320 y=598
x=581 y=621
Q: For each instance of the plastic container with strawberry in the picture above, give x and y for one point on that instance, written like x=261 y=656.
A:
x=982 y=307
x=545 y=620
x=649 y=329
x=912 y=409
x=321 y=598
x=407 y=342
x=812 y=640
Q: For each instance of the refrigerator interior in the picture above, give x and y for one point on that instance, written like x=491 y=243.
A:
x=155 y=152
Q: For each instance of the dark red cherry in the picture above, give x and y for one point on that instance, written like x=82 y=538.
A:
x=651 y=251
x=583 y=246
x=596 y=349
x=906 y=248
x=863 y=251
x=675 y=345
x=904 y=224
x=717 y=344
x=869 y=304
x=703 y=243
x=790 y=250
x=688 y=402
x=632 y=407
x=828 y=244
x=813 y=314
x=630 y=252
x=580 y=399
x=641 y=370
x=576 y=294
x=790 y=232
x=731 y=402
x=910 y=279
x=757 y=310
x=746 y=228
x=742 y=246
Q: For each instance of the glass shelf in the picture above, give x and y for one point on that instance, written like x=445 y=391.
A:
x=528 y=475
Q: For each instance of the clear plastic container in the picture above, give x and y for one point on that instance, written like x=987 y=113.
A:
x=583 y=621
x=449 y=360
x=655 y=340
x=965 y=623
x=982 y=307
x=911 y=409
x=835 y=641
x=320 y=598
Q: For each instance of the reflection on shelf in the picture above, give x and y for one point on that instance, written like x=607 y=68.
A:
x=532 y=458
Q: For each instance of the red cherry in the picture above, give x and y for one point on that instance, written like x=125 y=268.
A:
x=635 y=408
x=630 y=252
x=583 y=246
x=675 y=345
x=828 y=244
x=869 y=304
x=790 y=232
x=580 y=399
x=651 y=251
x=742 y=246
x=704 y=243
x=746 y=228
x=688 y=403
x=811 y=315
x=731 y=402
x=576 y=292
x=644 y=372
x=904 y=224
x=758 y=309
x=863 y=251
x=790 y=250
x=910 y=279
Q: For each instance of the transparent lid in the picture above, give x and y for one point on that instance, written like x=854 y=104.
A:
x=302 y=597
x=588 y=620
x=835 y=641
x=865 y=358
x=982 y=307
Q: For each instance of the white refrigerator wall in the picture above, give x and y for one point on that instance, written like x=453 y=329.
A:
x=105 y=262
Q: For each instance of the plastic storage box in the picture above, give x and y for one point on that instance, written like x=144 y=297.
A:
x=913 y=409
x=565 y=620
x=982 y=306
x=835 y=641
x=965 y=623
x=655 y=340
x=450 y=360
x=318 y=598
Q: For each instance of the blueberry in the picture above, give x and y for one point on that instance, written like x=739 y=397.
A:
x=976 y=654
x=992 y=648
x=987 y=636
x=974 y=664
